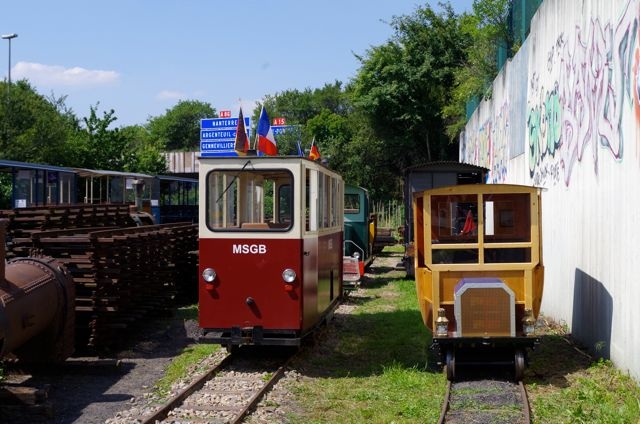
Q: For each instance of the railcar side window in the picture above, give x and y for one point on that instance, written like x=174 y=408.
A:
x=323 y=201
x=249 y=200
x=352 y=203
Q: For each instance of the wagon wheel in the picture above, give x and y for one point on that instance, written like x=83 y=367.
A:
x=232 y=349
x=451 y=365
x=519 y=364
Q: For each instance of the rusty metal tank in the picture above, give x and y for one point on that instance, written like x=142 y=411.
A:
x=36 y=308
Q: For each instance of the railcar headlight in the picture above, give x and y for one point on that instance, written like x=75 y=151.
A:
x=442 y=324
x=289 y=275
x=208 y=275
x=356 y=255
x=528 y=323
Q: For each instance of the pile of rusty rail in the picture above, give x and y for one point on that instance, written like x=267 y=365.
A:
x=24 y=221
x=123 y=274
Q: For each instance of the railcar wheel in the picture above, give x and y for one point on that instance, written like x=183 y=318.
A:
x=232 y=349
x=451 y=365
x=519 y=364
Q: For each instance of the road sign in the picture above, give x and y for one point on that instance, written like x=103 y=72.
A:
x=218 y=135
x=279 y=129
x=216 y=123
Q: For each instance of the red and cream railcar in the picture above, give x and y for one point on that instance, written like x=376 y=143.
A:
x=271 y=247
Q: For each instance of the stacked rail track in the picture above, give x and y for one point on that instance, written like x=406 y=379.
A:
x=122 y=272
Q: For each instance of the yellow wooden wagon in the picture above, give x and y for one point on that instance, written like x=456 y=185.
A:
x=479 y=273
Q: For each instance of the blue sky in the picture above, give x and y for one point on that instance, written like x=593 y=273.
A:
x=141 y=57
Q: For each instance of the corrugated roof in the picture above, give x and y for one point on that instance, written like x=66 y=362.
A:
x=445 y=166
x=82 y=172
x=12 y=164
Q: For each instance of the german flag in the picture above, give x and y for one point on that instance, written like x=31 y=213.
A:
x=242 y=141
x=314 y=153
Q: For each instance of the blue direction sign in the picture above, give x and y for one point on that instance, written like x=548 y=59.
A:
x=216 y=123
x=279 y=129
x=223 y=134
x=218 y=135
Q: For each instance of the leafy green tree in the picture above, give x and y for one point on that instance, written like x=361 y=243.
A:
x=32 y=127
x=403 y=85
x=179 y=127
x=144 y=154
x=367 y=166
x=332 y=133
x=301 y=107
x=95 y=146
x=488 y=31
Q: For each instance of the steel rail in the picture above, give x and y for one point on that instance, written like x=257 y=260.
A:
x=196 y=385
x=526 y=408
x=524 y=401
x=258 y=396
x=445 y=404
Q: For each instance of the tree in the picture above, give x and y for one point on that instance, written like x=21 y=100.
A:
x=179 y=127
x=403 y=85
x=306 y=110
x=96 y=146
x=33 y=128
x=488 y=31
x=144 y=154
x=333 y=134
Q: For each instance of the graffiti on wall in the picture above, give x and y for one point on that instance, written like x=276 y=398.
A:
x=575 y=106
x=499 y=153
x=488 y=144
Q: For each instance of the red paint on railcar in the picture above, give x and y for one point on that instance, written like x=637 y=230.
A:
x=249 y=290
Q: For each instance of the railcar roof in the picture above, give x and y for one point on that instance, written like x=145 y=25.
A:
x=445 y=166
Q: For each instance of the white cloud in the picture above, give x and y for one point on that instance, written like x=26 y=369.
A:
x=54 y=75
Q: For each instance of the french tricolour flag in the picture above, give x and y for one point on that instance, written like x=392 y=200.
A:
x=266 y=139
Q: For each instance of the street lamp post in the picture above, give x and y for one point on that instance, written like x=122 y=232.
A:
x=6 y=115
x=9 y=37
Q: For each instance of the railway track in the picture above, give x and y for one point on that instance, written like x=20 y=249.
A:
x=229 y=391
x=485 y=401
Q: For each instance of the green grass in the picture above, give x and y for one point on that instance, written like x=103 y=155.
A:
x=377 y=370
x=187 y=363
x=183 y=365
x=568 y=386
x=371 y=367
x=597 y=394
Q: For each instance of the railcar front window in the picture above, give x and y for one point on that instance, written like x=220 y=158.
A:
x=249 y=200
x=502 y=235
x=507 y=219
x=454 y=219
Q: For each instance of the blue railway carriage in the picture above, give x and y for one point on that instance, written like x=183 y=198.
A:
x=479 y=272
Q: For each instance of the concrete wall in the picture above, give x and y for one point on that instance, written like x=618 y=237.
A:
x=565 y=115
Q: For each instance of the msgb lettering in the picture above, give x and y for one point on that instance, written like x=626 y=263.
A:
x=254 y=249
